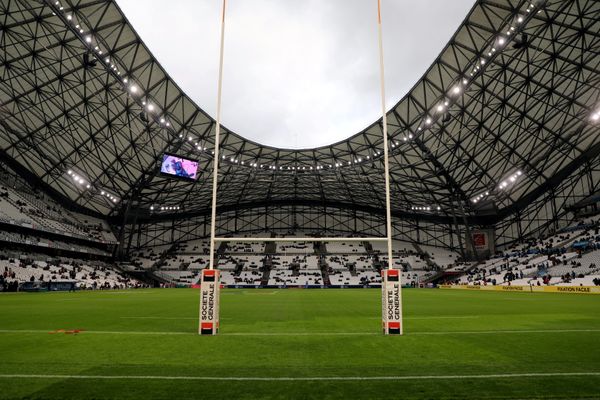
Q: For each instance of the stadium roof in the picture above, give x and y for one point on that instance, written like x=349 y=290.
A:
x=508 y=109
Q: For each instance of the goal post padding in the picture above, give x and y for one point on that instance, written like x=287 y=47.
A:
x=391 y=302
x=210 y=288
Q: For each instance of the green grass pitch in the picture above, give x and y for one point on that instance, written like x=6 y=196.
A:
x=141 y=344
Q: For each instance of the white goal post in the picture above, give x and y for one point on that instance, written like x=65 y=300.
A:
x=391 y=287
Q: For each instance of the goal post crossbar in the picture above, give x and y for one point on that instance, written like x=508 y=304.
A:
x=300 y=239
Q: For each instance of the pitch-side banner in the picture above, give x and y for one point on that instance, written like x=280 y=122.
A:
x=209 y=302
x=546 y=289
x=391 y=302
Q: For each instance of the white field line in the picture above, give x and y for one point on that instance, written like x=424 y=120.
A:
x=410 y=333
x=300 y=378
x=371 y=333
x=126 y=291
x=175 y=318
x=52 y=331
x=438 y=317
x=257 y=293
x=445 y=317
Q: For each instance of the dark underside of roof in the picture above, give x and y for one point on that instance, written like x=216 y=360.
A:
x=511 y=95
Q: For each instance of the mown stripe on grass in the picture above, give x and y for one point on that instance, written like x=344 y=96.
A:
x=301 y=378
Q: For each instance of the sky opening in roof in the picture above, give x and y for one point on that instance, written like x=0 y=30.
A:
x=298 y=74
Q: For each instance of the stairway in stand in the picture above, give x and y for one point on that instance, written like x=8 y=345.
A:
x=267 y=265
x=324 y=271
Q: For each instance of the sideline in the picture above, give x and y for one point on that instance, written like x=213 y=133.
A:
x=371 y=333
x=313 y=378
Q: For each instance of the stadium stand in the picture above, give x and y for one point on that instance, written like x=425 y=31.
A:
x=569 y=257
x=35 y=271
x=21 y=204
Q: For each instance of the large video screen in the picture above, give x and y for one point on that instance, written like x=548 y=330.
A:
x=180 y=167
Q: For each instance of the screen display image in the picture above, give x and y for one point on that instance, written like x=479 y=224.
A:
x=178 y=166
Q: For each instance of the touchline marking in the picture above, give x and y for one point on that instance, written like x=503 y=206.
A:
x=254 y=293
x=100 y=332
x=371 y=333
x=505 y=331
x=445 y=317
x=408 y=333
x=302 y=378
x=438 y=317
x=300 y=333
x=175 y=318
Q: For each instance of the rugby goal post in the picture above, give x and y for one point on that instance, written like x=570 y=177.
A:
x=391 y=287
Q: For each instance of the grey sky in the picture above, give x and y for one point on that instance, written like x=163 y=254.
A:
x=298 y=74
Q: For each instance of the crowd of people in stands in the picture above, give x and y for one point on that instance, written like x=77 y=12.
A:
x=292 y=247
x=7 y=284
x=254 y=278
x=244 y=247
x=82 y=275
x=560 y=249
